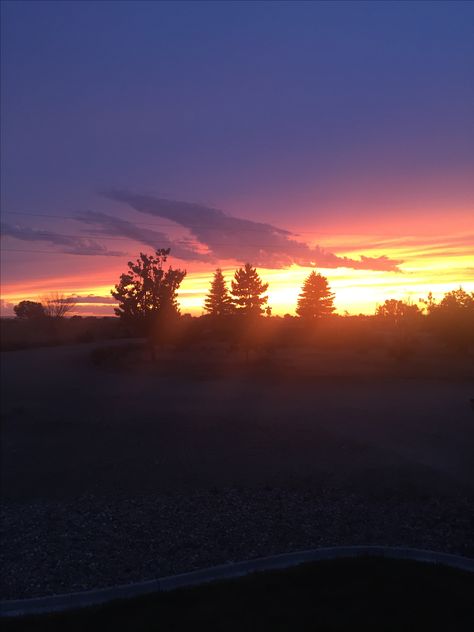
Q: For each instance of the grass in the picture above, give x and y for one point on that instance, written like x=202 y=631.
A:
x=363 y=594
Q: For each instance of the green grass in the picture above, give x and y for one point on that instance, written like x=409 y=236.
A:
x=364 y=594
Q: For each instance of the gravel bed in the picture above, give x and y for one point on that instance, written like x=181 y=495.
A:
x=55 y=547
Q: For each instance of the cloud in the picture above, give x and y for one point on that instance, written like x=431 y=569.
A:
x=93 y=299
x=93 y=310
x=73 y=245
x=115 y=226
x=464 y=244
x=6 y=308
x=228 y=237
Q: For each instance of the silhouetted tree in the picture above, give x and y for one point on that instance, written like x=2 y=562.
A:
x=247 y=290
x=453 y=317
x=401 y=319
x=57 y=305
x=218 y=301
x=458 y=301
x=29 y=310
x=316 y=299
x=397 y=312
x=147 y=294
x=429 y=302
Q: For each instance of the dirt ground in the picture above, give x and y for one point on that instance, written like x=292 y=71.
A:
x=116 y=470
x=70 y=427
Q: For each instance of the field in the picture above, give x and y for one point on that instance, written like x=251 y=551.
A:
x=23 y=334
x=116 y=469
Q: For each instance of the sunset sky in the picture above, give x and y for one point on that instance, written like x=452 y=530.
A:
x=291 y=135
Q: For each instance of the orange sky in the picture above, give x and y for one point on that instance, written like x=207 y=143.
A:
x=348 y=124
x=434 y=260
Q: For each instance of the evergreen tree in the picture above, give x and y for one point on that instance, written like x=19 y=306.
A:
x=218 y=301
x=147 y=294
x=316 y=299
x=247 y=290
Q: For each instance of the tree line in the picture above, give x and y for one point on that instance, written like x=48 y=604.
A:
x=54 y=306
x=147 y=293
x=147 y=297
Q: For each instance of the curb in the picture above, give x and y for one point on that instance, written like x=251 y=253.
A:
x=77 y=600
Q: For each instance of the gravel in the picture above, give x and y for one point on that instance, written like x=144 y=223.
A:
x=92 y=542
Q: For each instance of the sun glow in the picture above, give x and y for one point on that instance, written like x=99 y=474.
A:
x=429 y=265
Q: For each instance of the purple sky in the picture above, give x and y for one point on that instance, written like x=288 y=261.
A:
x=318 y=118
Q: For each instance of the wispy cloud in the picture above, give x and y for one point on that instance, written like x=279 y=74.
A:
x=70 y=244
x=214 y=236
x=233 y=238
x=415 y=244
x=108 y=225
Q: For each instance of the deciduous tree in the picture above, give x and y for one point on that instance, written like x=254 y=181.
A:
x=397 y=312
x=29 y=310
x=458 y=301
x=453 y=317
x=57 y=305
x=147 y=293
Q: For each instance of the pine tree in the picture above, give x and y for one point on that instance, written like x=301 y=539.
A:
x=218 y=301
x=316 y=299
x=247 y=290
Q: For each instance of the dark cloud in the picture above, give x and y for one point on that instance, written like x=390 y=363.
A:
x=107 y=225
x=229 y=237
x=93 y=299
x=73 y=245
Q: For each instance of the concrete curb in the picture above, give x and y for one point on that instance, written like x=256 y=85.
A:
x=77 y=600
